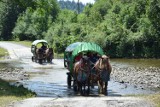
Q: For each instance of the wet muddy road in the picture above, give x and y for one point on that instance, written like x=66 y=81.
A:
x=49 y=83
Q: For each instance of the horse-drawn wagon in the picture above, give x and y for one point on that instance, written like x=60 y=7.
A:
x=41 y=52
x=86 y=66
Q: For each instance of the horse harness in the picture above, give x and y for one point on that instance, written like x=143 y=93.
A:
x=99 y=69
x=82 y=67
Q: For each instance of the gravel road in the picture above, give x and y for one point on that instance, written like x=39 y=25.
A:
x=18 y=52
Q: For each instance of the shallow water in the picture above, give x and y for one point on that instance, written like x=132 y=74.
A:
x=136 y=62
x=49 y=80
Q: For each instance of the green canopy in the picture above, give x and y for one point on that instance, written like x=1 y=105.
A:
x=85 y=47
x=72 y=46
x=79 y=47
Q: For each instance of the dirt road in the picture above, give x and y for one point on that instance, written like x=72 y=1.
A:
x=23 y=54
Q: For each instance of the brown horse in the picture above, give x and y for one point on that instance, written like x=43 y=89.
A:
x=81 y=75
x=39 y=55
x=49 y=54
x=103 y=70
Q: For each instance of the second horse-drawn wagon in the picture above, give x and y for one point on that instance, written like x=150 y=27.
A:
x=85 y=63
x=41 y=51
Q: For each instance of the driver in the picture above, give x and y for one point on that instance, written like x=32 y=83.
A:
x=43 y=47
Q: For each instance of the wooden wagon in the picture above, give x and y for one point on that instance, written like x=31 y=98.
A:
x=70 y=54
x=41 y=51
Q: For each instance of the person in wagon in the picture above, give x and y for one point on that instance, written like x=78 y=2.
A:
x=78 y=57
x=93 y=59
x=43 y=47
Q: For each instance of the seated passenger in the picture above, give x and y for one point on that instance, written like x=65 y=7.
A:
x=95 y=57
x=43 y=47
x=78 y=57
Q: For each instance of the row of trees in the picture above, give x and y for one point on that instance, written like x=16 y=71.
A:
x=8 y=16
x=123 y=28
x=71 y=5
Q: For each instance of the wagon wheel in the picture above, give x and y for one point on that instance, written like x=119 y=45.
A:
x=40 y=61
x=33 y=59
x=44 y=60
x=69 y=80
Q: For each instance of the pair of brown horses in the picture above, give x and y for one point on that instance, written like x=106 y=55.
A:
x=46 y=55
x=83 y=74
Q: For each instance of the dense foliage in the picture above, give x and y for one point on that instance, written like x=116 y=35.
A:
x=123 y=28
x=34 y=22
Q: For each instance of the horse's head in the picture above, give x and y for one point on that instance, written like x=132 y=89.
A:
x=103 y=62
x=104 y=59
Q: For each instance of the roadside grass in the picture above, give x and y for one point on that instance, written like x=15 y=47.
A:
x=9 y=94
x=3 y=52
x=155 y=98
x=25 y=43
x=58 y=56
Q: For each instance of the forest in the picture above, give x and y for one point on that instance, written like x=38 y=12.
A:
x=123 y=28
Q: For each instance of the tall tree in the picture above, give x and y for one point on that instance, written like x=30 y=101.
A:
x=36 y=21
x=9 y=12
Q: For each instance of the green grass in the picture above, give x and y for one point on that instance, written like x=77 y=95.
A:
x=25 y=43
x=155 y=98
x=10 y=93
x=56 y=56
x=3 y=52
